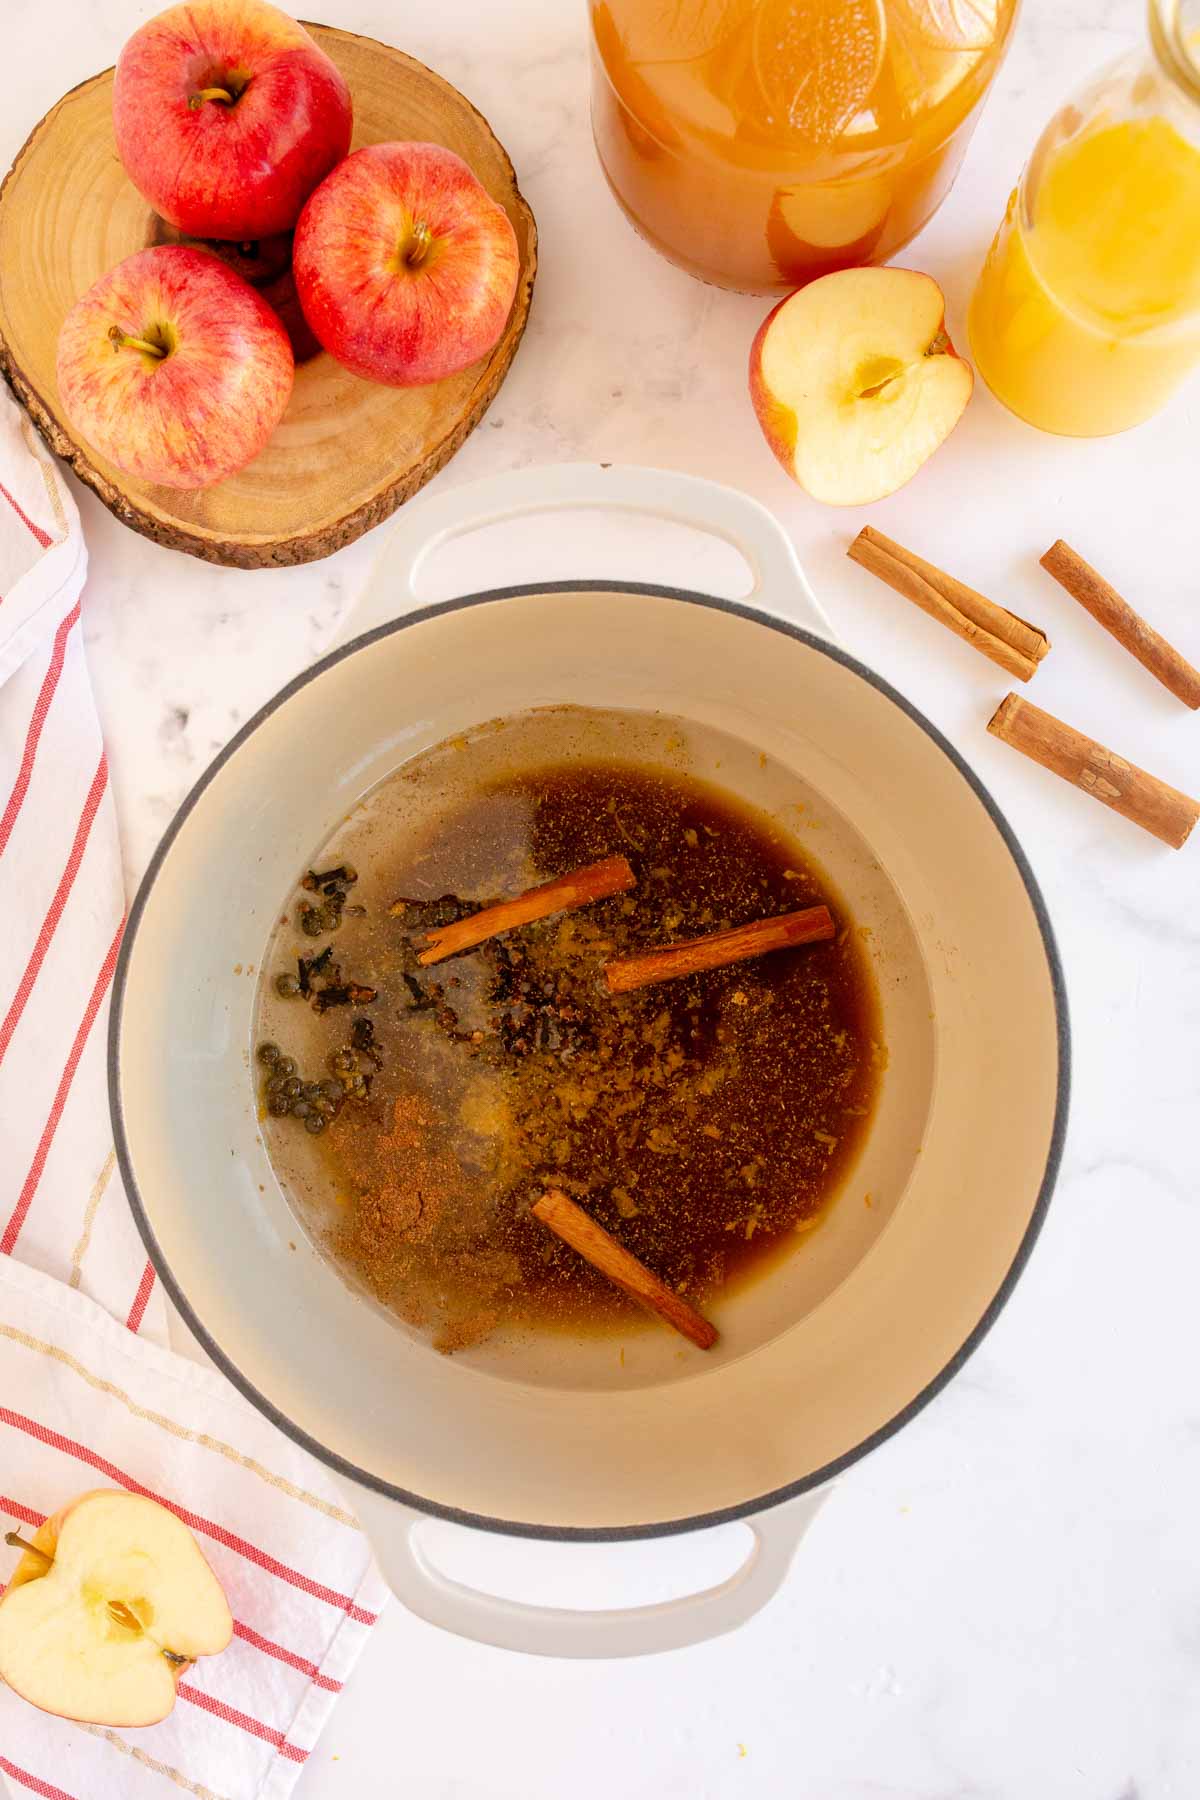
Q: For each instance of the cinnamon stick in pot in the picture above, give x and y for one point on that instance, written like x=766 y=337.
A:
x=581 y=887
x=719 y=949
x=1009 y=641
x=1118 y=618
x=1138 y=796
x=601 y=1249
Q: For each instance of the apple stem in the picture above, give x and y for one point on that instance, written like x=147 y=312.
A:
x=123 y=340
x=213 y=93
x=17 y=1542
x=418 y=244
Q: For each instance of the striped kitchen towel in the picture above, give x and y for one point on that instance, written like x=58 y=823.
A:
x=85 y=1403
x=89 y=1395
x=61 y=1206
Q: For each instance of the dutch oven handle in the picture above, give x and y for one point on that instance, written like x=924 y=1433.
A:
x=394 y=1532
x=780 y=584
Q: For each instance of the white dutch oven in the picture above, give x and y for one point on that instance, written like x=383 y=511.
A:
x=820 y=1359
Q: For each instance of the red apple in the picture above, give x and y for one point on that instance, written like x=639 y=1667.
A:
x=855 y=382
x=405 y=266
x=227 y=115
x=174 y=368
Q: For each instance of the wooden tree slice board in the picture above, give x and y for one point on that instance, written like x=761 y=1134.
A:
x=348 y=451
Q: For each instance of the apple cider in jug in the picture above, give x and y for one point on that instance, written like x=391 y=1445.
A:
x=761 y=143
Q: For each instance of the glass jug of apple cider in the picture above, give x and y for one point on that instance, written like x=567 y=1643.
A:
x=761 y=143
x=1086 y=316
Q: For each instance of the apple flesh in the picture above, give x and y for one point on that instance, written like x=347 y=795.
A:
x=173 y=368
x=108 y=1607
x=856 y=383
x=405 y=266
x=227 y=114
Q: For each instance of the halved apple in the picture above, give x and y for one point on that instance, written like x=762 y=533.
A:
x=110 y=1604
x=855 y=382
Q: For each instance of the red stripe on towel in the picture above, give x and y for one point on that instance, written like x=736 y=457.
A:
x=15 y=1510
x=43 y=537
x=62 y=894
x=12 y=1230
x=34 y=1783
x=305 y=1667
x=41 y=707
x=141 y=1300
x=242 y=1720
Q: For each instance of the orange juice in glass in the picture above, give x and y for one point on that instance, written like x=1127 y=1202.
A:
x=1086 y=316
x=761 y=143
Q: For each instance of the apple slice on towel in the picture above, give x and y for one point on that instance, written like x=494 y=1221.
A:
x=856 y=383
x=111 y=1602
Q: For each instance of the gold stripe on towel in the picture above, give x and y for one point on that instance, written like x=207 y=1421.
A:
x=180 y=1431
x=89 y=1218
x=152 y=1762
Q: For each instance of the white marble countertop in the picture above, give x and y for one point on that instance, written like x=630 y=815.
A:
x=1003 y=1602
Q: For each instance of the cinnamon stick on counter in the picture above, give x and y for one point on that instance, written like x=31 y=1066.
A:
x=1119 y=619
x=566 y=892
x=597 y=1246
x=1011 y=642
x=690 y=955
x=1130 y=791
